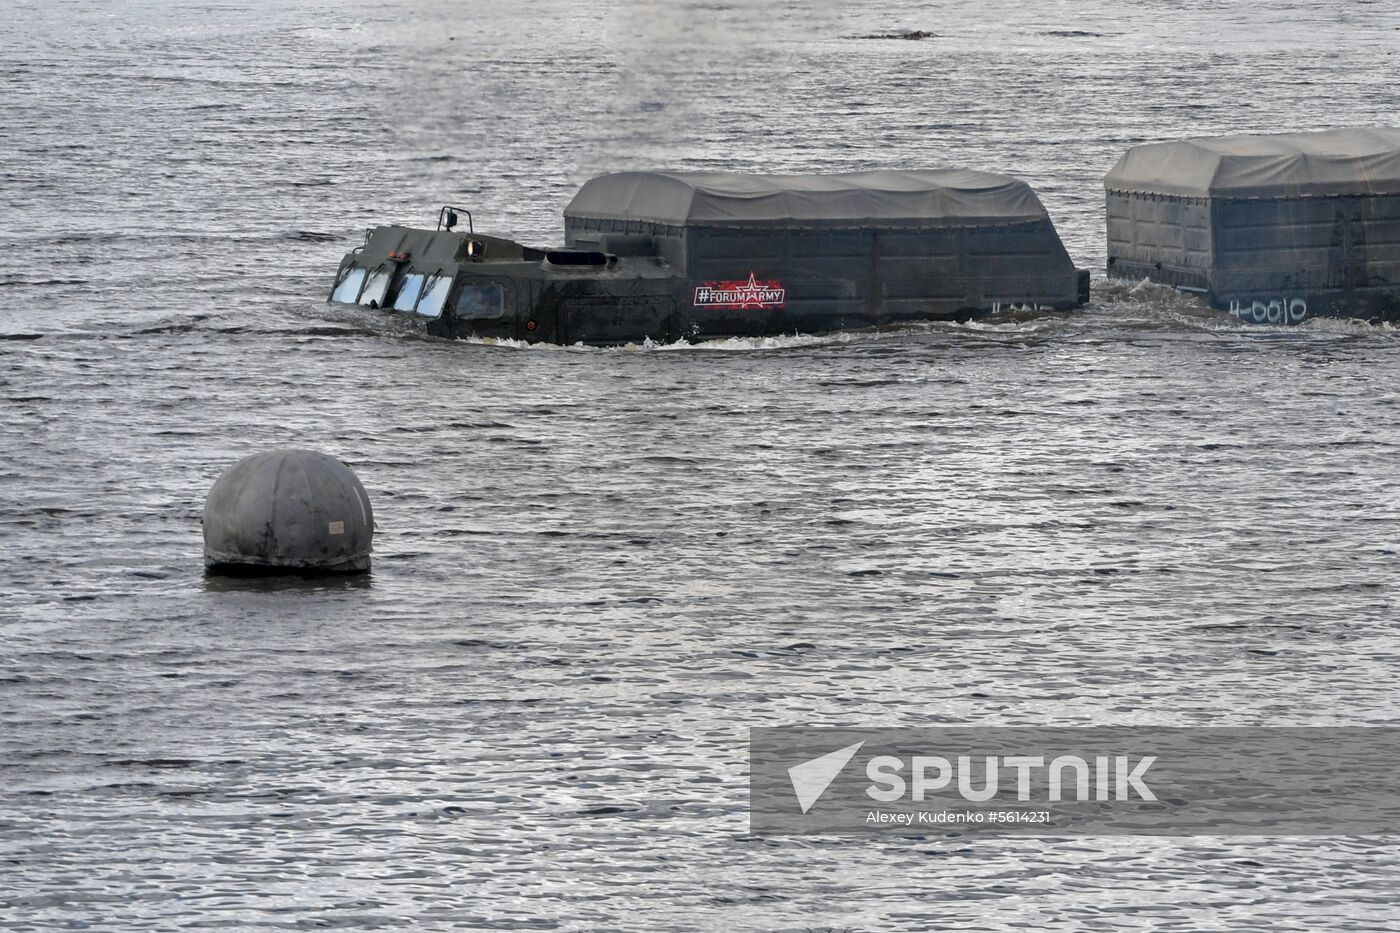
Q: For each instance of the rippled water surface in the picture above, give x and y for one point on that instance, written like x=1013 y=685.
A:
x=595 y=570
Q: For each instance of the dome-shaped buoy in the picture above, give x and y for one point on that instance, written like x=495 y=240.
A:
x=288 y=510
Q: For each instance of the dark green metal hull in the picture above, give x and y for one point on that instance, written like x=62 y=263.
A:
x=732 y=285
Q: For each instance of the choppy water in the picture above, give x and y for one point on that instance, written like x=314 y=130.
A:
x=596 y=570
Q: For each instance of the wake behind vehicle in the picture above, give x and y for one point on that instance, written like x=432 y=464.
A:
x=696 y=256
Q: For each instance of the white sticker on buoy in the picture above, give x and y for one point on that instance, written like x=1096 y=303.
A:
x=337 y=528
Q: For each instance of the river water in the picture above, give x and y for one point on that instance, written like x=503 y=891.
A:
x=596 y=570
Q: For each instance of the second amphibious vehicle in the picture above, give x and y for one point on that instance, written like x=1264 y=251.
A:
x=1274 y=229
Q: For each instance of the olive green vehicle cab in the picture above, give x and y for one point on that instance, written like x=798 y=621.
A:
x=466 y=284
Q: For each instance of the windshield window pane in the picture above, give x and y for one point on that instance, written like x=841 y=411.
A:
x=408 y=292
x=481 y=301
x=349 y=288
x=373 y=295
x=434 y=296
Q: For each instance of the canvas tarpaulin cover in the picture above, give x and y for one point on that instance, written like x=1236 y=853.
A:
x=932 y=198
x=1293 y=165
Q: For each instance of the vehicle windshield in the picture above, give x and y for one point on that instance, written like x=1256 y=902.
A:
x=373 y=295
x=435 y=296
x=348 y=289
x=409 y=291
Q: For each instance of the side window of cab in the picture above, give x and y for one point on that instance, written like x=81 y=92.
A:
x=481 y=300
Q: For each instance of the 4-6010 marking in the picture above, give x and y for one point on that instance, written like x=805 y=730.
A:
x=1277 y=311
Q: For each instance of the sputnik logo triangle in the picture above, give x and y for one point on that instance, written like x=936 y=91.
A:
x=811 y=778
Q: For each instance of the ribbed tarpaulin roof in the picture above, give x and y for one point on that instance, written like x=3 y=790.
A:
x=941 y=197
x=1334 y=162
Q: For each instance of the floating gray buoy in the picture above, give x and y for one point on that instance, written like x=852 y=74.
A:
x=288 y=510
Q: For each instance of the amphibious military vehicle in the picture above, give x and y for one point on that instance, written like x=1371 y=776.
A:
x=1274 y=229
x=695 y=256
